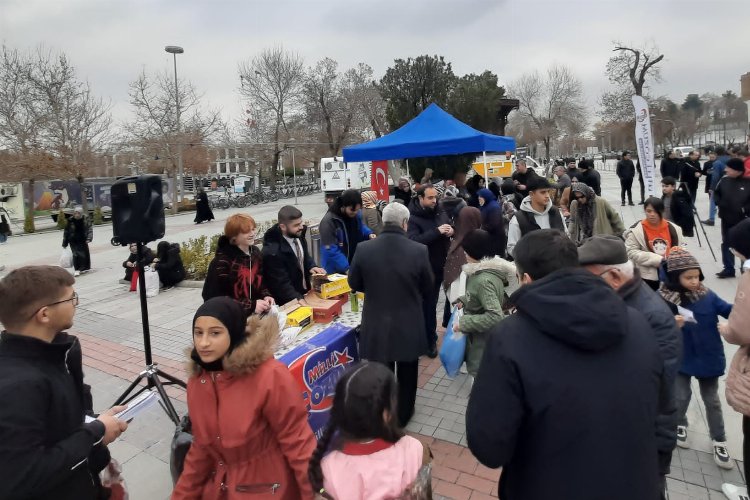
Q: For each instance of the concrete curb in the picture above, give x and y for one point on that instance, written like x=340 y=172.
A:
x=181 y=284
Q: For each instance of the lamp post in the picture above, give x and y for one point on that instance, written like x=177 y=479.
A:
x=294 y=172
x=174 y=50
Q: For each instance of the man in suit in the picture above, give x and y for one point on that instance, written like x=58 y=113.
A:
x=394 y=274
x=287 y=265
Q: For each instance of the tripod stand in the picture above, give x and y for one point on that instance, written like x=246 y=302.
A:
x=700 y=222
x=152 y=375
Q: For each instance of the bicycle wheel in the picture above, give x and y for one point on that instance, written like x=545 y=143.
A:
x=274 y=196
x=242 y=202
x=222 y=203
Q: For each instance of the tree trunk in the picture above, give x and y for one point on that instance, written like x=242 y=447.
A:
x=30 y=204
x=84 y=200
x=547 y=142
x=172 y=172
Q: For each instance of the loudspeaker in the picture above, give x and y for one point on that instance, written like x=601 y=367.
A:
x=137 y=210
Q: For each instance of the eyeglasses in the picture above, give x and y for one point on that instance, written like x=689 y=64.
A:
x=73 y=299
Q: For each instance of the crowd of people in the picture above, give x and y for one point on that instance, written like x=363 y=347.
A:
x=595 y=350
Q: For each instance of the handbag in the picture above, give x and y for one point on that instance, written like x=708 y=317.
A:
x=454 y=346
x=181 y=442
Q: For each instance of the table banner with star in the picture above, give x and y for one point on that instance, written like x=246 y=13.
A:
x=317 y=364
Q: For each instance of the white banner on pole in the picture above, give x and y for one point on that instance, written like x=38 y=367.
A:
x=645 y=141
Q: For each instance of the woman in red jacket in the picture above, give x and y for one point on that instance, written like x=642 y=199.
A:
x=251 y=438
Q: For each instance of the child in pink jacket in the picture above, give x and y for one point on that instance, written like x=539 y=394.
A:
x=363 y=454
x=737 y=331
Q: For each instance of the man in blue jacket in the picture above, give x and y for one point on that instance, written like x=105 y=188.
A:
x=341 y=230
x=719 y=164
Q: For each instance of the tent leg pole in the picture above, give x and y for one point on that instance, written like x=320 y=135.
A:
x=486 y=171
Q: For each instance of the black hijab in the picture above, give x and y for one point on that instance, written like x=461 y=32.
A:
x=232 y=316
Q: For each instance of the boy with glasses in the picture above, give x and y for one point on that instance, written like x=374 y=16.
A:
x=49 y=449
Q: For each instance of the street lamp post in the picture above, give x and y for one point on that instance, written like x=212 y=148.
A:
x=174 y=50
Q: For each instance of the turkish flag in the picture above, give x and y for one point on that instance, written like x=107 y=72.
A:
x=379 y=176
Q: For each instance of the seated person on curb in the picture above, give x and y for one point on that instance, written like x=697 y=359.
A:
x=287 y=265
x=131 y=264
x=168 y=264
x=47 y=449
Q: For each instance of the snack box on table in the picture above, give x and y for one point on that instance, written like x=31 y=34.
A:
x=331 y=285
x=301 y=316
x=324 y=311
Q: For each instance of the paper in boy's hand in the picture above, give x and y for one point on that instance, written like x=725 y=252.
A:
x=687 y=314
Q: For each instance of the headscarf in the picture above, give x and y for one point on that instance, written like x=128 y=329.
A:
x=232 y=316
x=369 y=199
x=469 y=219
x=490 y=202
x=586 y=212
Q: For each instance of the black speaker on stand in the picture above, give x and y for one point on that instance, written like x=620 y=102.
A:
x=138 y=217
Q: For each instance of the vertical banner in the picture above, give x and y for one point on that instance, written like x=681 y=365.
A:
x=645 y=142
x=379 y=179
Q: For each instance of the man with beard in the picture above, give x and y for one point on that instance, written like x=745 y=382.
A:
x=341 y=230
x=78 y=234
x=522 y=176
x=429 y=225
x=287 y=265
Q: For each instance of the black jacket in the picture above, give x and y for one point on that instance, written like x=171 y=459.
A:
x=670 y=168
x=404 y=196
x=46 y=449
x=78 y=231
x=170 y=268
x=554 y=382
x=148 y=257
x=687 y=175
x=642 y=298
x=523 y=179
x=423 y=226
x=392 y=322
x=451 y=206
x=707 y=171
x=284 y=278
x=732 y=196
x=626 y=169
x=592 y=179
x=681 y=209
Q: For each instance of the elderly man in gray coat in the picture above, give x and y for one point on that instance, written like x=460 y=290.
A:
x=394 y=274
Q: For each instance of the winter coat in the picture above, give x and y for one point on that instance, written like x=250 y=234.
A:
x=681 y=210
x=170 y=268
x=606 y=220
x=687 y=175
x=203 y=210
x=404 y=196
x=423 y=228
x=555 y=379
x=625 y=169
x=251 y=438
x=523 y=180
x=233 y=273
x=482 y=304
x=46 y=449
x=646 y=261
x=732 y=197
x=549 y=218
x=493 y=222
x=78 y=231
x=451 y=207
x=738 y=332
x=336 y=244
x=392 y=320
x=373 y=219
x=148 y=257
x=281 y=271
x=720 y=164
x=703 y=350
x=641 y=297
x=670 y=168
x=707 y=171
x=592 y=179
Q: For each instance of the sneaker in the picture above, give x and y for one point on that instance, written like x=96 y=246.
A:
x=708 y=222
x=725 y=274
x=77 y=273
x=623 y=203
x=631 y=204
x=641 y=202
x=721 y=455
x=682 y=436
x=733 y=492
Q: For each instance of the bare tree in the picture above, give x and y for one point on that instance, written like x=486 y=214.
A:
x=632 y=65
x=552 y=104
x=154 y=104
x=365 y=97
x=272 y=84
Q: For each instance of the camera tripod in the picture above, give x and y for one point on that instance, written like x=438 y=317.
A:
x=152 y=375
x=697 y=218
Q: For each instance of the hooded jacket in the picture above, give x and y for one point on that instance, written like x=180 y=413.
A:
x=233 y=273
x=483 y=304
x=336 y=244
x=78 y=231
x=251 y=438
x=423 y=228
x=46 y=449
x=549 y=218
x=451 y=206
x=285 y=279
x=552 y=387
x=738 y=332
x=606 y=220
x=493 y=222
x=170 y=268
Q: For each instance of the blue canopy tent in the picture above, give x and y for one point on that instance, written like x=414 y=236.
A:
x=433 y=132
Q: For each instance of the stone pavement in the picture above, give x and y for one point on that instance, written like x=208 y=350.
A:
x=108 y=322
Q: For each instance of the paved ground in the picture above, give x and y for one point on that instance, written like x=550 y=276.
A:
x=109 y=325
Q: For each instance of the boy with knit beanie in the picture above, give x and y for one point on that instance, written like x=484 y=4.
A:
x=697 y=309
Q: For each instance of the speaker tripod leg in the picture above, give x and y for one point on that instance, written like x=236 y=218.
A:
x=171 y=379
x=126 y=395
x=166 y=403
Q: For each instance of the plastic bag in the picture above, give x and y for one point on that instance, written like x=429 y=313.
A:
x=152 y=282
x=66 y=258
x=454 y=346
x=112 y=480
x=181 y=442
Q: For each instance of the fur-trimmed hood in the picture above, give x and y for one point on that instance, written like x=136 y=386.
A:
x=498 y=265
x=260 y=344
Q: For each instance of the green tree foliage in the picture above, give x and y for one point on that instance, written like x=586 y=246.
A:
x=62 y=221
x=476 y=100
x=98 y=217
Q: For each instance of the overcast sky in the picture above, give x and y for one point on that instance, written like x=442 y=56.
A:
x=110 y=41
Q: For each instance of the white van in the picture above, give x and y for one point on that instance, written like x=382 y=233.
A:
x=684 y=150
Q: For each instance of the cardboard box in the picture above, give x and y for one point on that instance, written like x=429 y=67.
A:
x=302 y=317
x=324 y=311
x=331 y=285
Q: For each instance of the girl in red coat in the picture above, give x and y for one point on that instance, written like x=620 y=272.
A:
x=250 y=432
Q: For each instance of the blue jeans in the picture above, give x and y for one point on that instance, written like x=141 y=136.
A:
x=711 y=208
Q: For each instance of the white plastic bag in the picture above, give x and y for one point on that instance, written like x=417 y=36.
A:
x=66 y=258
x=152 y=282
